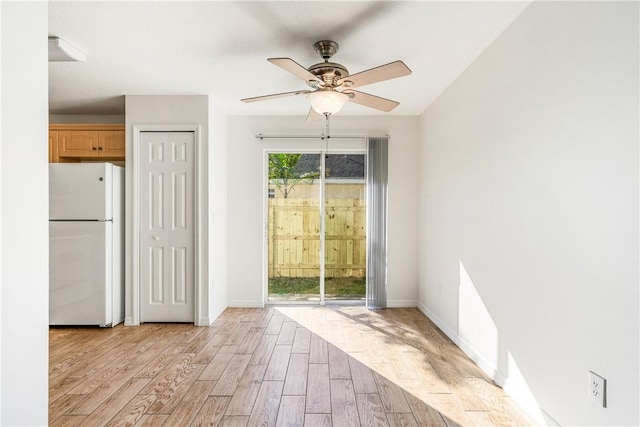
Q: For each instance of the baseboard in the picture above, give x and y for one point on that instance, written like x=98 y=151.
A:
x=548 y=420
x=245 y=304
x=439 y=323
x=487 y=367
x=402 y=303
x=203 y=321
x=215 y=314
x=128 y=321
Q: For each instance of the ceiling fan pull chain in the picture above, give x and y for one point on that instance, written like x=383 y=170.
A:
x=326 y=138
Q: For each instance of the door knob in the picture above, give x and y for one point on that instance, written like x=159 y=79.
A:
x=156 y=238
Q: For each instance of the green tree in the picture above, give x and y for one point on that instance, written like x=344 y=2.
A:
x=283 y=173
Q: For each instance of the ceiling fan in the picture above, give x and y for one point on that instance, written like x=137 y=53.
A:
x=331 y=84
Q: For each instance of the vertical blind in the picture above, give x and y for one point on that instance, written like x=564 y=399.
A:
x=377 y=177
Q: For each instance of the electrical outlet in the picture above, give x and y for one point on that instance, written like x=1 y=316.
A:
x=598 y=389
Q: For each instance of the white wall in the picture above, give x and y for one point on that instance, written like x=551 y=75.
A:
x=245 y=197
x=217 y=213
x=165 y=110
x=529 y=209
x=64 y=119
x=24 y=227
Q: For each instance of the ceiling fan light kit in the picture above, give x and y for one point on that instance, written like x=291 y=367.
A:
x=332 y=84
x=328 y=101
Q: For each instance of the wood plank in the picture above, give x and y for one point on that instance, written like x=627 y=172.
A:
x=338 y=363
x=287 y=333
x=301 y=341
x=344 y=409
x=103 y=391
x=64 y=404
x=318 y=351
x=234 y=421
x=209 y=350
x=151 y=420
x=362 y=376
x=295 y=382
x=401 y=420
x=167 y=375
x=165 y=358
x=275 y=324
x=218 y=364
x=247 y=391
x=450 y=409
x=317 y=420
x=69 y=421
x=424 y=414
x=278 y=364
x=265 y=409
x=200 y=340
x=230 y=378
x=133 y=412
x=391 y=395
x=318 y=389
x=211 y=412
x=115 y=402
x=334 y=329
x=170 y=393
x=62 y=387
x=251 y=340
x=95 y=379
x=352 y=339
x=291 y=411
x=370 y=410
x=190 y=404
x=239 y=334
x=262 y=354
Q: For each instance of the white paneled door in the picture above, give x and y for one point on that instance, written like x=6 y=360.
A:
x=167 y=226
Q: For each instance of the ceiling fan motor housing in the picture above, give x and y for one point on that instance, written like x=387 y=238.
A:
x=328 y=72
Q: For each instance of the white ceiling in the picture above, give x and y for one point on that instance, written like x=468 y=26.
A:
x=220 y=49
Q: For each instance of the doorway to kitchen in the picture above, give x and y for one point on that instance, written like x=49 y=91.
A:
x=316 y=225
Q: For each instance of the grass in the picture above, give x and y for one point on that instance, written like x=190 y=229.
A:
x=334 y=286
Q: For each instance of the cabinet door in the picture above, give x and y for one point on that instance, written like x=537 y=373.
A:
x=77 y=143
x=53 y=147
x=111 y=143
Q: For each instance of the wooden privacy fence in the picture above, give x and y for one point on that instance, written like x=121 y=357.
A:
x=294 y=238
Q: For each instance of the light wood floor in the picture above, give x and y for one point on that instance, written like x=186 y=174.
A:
x=276 y=366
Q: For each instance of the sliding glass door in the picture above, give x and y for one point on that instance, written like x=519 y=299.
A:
x=316 y=232
x=345 y=226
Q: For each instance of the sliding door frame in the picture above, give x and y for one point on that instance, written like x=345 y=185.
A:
x=322 y=152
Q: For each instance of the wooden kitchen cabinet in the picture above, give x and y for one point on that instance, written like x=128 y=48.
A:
x=77 y=143
x=111 y=143
x=53 y=147
x=74 y=143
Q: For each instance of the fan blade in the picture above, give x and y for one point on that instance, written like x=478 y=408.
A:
x=314 y=115
x=377 y=74
x=294 y=68
x=371 y=101
x=276 y=95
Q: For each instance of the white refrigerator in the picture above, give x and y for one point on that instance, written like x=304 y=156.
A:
x=86 y=244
